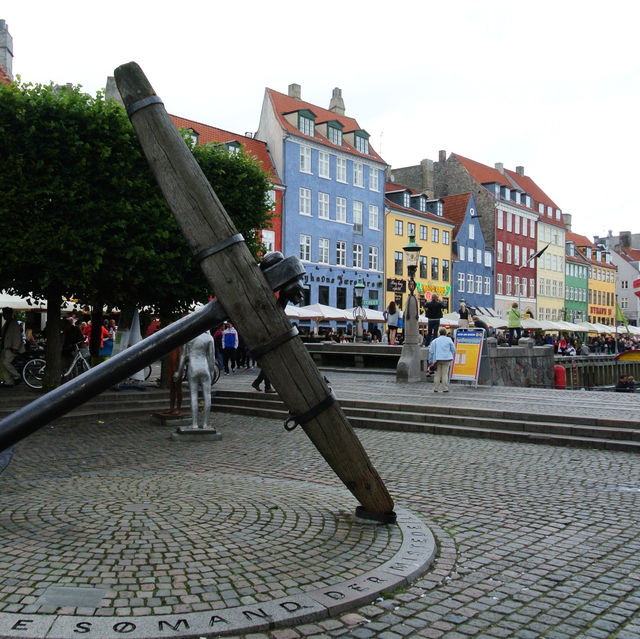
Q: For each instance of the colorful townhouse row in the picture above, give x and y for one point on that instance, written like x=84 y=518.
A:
x=489 y=236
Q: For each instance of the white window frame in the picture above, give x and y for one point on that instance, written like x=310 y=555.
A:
x=500 y=251
x=445 y=237
x=323 y=250
x=478 y=256
x=479 y=284
x=470 y=282
x=341 y=170
x=304 y=201
x=435 y=235
x=358 y=174
x=461 y=281
x=357 y=217
x=357 y=256
x=374 y=255
x=324 y=165
x=341 y=209
x=305 y=247
x=487 y=285
x=268 y=240
x=341 y=253
x=323 y=206
x=374 y=217
x=374 y=179
x=305 y=159
x=472 y=231
x=461 y=253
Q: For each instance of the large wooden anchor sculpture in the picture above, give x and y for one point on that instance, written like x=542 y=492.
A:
x=245 y=297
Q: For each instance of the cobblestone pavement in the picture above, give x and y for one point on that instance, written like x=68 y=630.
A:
x=533 y=540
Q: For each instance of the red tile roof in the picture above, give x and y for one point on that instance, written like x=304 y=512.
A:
x=210 y=134
x=455 y=208
x=484 y=174
x=4 y=77
x=579 y=240
x=630 y=254
x=284 y=104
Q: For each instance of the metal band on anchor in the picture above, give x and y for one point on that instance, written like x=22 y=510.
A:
x=141 y=104
x=220 y=246
x=258 y=352
x=294 y=420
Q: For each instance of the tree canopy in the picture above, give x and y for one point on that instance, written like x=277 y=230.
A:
x=81 y=215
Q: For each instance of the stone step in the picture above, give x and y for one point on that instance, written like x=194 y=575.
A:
x=449 y=420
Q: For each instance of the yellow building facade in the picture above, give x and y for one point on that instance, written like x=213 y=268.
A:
x=550 y=270
x=602 y=290
x=432 y=233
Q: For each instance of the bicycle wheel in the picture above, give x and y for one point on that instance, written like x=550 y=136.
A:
x=33 y=373
x=215 y=375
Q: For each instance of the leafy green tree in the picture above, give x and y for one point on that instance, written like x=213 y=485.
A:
x=80 y=213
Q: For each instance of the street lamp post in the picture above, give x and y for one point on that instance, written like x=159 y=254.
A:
x=359 y=314
x=411 y=364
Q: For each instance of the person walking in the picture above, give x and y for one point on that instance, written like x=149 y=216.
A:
x=12 y=345
x=464 y=314
x=267 y=384
x=433 y=311
x=441 y=353
x=229 y=347
x=392 y=318
x=514 y=323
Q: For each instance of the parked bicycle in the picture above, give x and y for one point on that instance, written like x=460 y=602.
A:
x=33 y=371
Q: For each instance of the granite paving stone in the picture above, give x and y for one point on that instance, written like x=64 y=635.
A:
x=534 y=540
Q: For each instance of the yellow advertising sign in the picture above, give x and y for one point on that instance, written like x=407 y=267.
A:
x=466 y=363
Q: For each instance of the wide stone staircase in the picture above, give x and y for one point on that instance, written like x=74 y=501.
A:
x=611 y=433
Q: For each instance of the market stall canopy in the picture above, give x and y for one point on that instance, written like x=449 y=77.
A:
x=18 y=303
x=298 y=312
x=371 y=314
x=321 y=312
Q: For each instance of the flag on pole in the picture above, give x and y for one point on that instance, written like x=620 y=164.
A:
x=535 y=255
x=636 y=287
x=621 y=318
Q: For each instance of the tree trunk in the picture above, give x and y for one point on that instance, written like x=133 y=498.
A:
x=53 y=333
x=240 y=286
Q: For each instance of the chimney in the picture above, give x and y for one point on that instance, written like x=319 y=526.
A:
x=520 y=170
x=112 y=91
x=6 y=49
x=442 y=156
x=427 y=178
x=337 y=103
x=566 y=218
x=295 y=91
x=500 y=167
x=625 y=239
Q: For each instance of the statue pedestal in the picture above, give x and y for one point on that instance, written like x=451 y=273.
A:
x=412 y=365
x=195 y=434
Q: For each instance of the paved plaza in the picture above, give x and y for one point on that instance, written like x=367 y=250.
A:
x=109 y=520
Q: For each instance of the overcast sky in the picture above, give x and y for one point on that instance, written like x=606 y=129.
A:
x=549 y=85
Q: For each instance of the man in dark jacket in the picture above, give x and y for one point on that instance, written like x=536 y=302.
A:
x=433 y=310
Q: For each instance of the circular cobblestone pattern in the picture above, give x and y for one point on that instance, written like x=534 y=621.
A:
x=182 y=538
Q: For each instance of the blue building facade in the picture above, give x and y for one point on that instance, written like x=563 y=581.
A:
x=333 y=205
x=473 y=263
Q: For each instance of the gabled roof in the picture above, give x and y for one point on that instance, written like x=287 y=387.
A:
x=629 y=254
x=212 y=135
x=392 y=187
x=455 y=208
x=579 y=240
x=285 y=104
x=484 y=174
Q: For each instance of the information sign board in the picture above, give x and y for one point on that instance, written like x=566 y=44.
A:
x=466 y=362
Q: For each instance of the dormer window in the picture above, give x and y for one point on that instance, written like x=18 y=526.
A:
x=422 y=204
x=549 y=211
x=406 y=199
x=334 y=133
x=558 y=214
x=527 y=201
x=362 y=142
x=506 y=193
x=541 y=208
x=306 y=123
x=439 y=209
x=234 y=147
